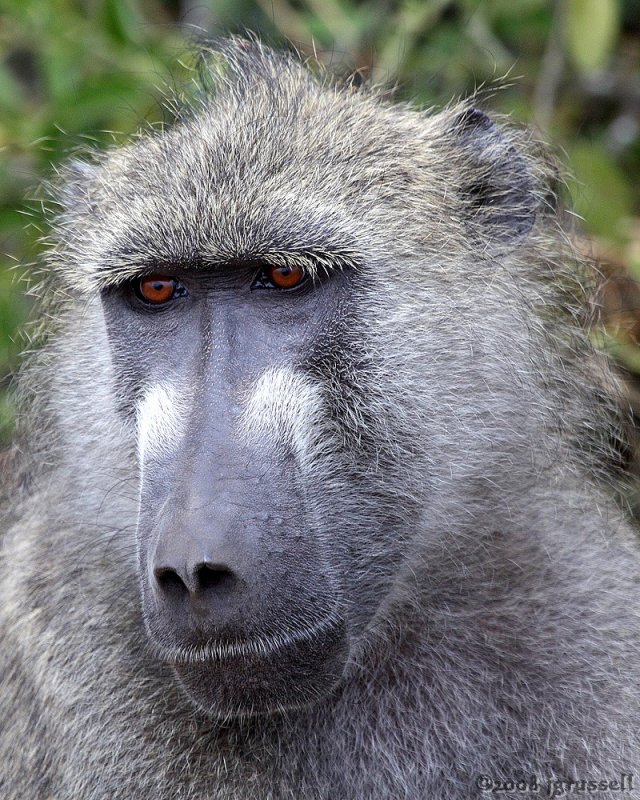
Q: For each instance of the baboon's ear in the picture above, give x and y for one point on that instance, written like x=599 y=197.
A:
x=498 y=189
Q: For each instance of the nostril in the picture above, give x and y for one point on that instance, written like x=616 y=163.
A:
x=213 y=576
x=170 y=582
x=200 y=579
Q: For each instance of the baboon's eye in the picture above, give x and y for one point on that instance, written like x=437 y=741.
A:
x=156 y=290
x=272 y=277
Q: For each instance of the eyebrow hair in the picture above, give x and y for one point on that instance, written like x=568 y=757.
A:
x=128 y=263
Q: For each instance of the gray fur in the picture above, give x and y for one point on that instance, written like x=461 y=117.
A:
x=487 y=577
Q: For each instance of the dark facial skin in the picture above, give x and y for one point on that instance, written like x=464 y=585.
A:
x=240 y=592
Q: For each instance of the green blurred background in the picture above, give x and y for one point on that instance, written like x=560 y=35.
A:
x=75 y=73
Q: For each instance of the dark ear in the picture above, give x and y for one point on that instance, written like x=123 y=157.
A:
x=498 y=188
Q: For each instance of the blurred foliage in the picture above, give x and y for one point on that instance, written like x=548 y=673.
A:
x=73 y=72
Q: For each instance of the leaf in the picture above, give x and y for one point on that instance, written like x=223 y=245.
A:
x=591 y=29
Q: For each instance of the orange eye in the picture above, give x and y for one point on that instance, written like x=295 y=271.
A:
x=286 y=277
x=156 y=289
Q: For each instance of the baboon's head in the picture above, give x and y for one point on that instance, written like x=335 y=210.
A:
x=279 y=278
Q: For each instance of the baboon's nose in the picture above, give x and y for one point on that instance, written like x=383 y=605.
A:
x=194 y=591
x=198 y=566
x=198 y=579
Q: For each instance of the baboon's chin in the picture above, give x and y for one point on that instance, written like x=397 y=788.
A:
x=296 y=675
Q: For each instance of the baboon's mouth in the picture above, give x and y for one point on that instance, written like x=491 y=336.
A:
x=263 y=675
x=255 y=648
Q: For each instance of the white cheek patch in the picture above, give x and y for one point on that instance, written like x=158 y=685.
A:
x=282 y=407
x=161 y=415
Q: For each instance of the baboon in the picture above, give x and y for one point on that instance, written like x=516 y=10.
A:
x=314 y=496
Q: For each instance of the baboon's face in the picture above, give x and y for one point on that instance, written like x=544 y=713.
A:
x=248 y=524
x=263 y=272
x=267 y=532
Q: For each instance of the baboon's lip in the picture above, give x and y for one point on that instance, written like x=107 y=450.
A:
x=264 y=675
x=255 y=649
